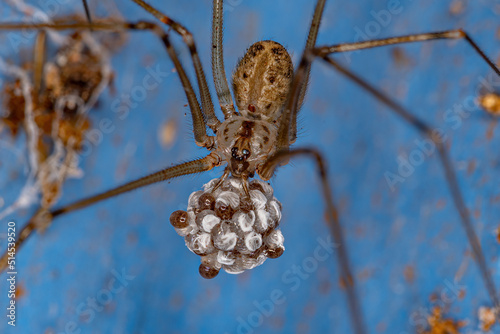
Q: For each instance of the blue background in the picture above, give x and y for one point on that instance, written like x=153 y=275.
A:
x=413 y=229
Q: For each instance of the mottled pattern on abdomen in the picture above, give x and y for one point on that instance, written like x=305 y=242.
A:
x=262 y=80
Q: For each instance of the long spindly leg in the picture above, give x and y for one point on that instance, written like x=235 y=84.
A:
x=449 y=171
x=219 y=73
x=39 y=61
x=87 y=11
x=449 y=34
x=310 y=44
x=207 y=106
x=333 y=222
x=206 y=102
x=199 y=128
x=43 y=218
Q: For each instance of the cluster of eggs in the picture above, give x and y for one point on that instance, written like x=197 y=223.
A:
x=229 y=228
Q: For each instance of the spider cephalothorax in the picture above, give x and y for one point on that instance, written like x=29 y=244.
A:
x=244 y=143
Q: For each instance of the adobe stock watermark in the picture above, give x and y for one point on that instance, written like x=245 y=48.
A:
x=293 y=278
x=122 y=106
x=230 y=5
x=87 y=311
x=451 y=292
x=407 y=164
x=381 y=20
x=46 y=10
x=453 y=118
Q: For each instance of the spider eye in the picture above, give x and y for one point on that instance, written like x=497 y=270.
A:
x=240 y=156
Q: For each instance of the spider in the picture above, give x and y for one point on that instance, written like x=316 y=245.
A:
x=267 y=172
x=53 y=109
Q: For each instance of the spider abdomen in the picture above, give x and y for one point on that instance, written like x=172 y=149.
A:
x=262 y=80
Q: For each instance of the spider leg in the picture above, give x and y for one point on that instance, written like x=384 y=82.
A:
x=310 y=44
x=43 y=218
x=449 y=34
x=87 y=11
x=223 y=93
x=206 y=102
x=39 y=61
x=199 y=127
x=449 y=171
x=347 y=278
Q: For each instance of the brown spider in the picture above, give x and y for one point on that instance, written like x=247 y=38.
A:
x=49 y=100
x=69 y=84
x=255 y=136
